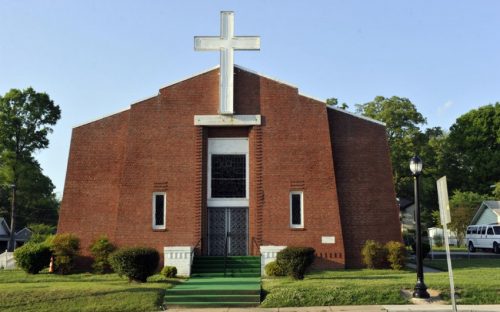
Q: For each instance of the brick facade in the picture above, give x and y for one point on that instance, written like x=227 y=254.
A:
x=340 y=162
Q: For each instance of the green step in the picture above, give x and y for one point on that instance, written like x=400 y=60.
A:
x=221 y=274
x=212 y=298
x=241 y=270
x=211 y=304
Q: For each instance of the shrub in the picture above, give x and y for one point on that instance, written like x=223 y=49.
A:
x=273 y=269
x=33 y=257
x=295 y=260
x=136 y=263
x=65 y=249
x=374 y=255
x=426 y=248
x=40 y=232
x=396 y=254
x=101 y=248
x=438 y=240
x=169 y=271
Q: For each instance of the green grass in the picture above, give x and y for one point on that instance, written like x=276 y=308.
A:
x=474 y=285
x=452 y=248
x=471 y=264
x=79 y=292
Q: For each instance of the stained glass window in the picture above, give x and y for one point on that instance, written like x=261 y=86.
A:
x=296 y=209
x=228 y=176
x=159 y=208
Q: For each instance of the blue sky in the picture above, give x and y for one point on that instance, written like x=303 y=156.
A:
x=97 y=57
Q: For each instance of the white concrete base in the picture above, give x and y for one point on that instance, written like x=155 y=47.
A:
x=7 y=260
x=180 y=257
x=268 y=254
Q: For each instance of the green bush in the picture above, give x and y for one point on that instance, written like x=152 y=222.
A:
x=437 y=240
x=65 y=249
x=396 y=254
x=426 y=248
x=33 y=257
x=169 y=271
x=40 y=232
x=100 y=249
x=374 y=255
x=273 y=269
x=136 y=263
x=295 y=260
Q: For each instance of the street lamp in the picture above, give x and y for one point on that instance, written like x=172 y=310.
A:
x=420 y=288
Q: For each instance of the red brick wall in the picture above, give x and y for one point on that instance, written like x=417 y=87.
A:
x=364 y=182
x=118 y=162
x=90 y=202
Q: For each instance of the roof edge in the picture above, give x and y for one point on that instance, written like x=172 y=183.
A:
x=189 y=77
x=265 y=76
x=100 y=117
x=357 y=116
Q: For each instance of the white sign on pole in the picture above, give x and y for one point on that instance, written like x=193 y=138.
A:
x=444 y=206
x=444 y=211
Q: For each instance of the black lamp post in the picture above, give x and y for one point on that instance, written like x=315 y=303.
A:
x=420 y=288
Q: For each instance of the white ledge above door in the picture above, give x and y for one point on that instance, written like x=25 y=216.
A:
x=227 y=120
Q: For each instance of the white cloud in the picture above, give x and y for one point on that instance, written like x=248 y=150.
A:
x=445 y=107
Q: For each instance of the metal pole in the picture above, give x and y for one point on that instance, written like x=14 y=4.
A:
x=420 y=288
x=12 y=220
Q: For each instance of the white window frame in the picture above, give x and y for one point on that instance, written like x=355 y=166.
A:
x=301 y=225
x=164 y=225
x=227 y=146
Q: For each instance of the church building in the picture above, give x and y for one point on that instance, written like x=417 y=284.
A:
x=230 y=161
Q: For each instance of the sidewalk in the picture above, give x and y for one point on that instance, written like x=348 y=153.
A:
x=364 y=308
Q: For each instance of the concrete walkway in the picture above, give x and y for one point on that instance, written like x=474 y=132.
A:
x=364 y=308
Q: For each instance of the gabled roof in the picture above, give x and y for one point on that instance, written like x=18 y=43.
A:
x=4 y=228
x=493 y=205
x=244 y=69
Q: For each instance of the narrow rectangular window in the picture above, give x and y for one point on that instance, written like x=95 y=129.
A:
x=159 y=210
x=296 y=210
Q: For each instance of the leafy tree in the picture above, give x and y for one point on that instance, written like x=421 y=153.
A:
x=496 y=191
x=463 y=206
x=402 y=121
x=472 y=151
x=26 y=117
x=335 y=102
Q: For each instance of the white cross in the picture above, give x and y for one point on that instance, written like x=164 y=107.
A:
x=226 y=43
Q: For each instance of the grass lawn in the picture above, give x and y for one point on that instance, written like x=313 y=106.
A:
x=474 y=283
x=79 y=292
x=452 y=248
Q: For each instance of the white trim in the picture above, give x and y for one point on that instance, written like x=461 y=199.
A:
x=228 y=146
x=190 y=77
x=356 y=115
x=101 y=117
x=164 y=226
x=227 y=120
x=265 y=76
x=312 y=98
x=301 y=225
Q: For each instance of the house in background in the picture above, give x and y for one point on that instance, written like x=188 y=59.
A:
x=21 y=236
x=488 y=213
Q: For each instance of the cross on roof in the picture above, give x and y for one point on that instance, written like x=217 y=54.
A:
x=226 y=43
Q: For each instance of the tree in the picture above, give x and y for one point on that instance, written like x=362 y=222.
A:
x=26 y=117
x=402 y=121
x=334 y=102
x=473 y=150
x=463 y=206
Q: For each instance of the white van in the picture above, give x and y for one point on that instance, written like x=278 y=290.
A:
x=483 y=236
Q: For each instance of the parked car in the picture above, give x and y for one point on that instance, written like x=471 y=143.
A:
x=483 y=236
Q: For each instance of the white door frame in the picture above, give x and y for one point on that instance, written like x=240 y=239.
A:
x=227 y=146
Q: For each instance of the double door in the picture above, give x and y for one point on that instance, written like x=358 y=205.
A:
x=227 y=229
